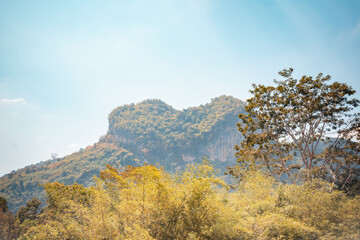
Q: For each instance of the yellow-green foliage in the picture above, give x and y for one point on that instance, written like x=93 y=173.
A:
x=78 y=167
x=147 y=203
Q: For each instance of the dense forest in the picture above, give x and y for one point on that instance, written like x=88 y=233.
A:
x=293 y=179
x=148 y=203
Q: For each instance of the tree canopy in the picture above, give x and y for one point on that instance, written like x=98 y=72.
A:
x=301 y=128
x=148 y=203
x=153 y=123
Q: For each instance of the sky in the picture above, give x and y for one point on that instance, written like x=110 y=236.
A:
x=65 y=65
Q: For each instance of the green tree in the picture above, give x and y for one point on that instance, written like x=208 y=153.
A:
x=30 y=211
x=3 y=205
x=288 y=129
x=9 y=227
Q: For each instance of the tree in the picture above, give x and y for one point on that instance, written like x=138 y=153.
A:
x=3 y=205
x=54 y=157
x=300 y=128
x=30 y=211
x=9 y=227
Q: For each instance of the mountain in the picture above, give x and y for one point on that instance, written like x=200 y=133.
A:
x=150 y=131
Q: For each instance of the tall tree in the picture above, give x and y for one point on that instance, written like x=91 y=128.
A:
x=287 y=126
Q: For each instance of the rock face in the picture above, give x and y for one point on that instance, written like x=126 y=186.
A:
x=221 y=148
x=157 y=133
x=150 y=131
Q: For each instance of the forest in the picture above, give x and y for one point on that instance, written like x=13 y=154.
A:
x=297 y=176
x=147 y=203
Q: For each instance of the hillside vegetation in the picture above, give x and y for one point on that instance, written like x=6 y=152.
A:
x=153 y=123
x=20 y=186
x=148 y=203
x=150 y=131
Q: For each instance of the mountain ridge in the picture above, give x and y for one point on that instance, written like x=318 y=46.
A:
x=150 y=131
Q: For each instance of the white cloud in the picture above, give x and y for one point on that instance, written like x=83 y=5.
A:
x=15 y=100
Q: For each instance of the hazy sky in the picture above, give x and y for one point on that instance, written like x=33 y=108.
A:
x=64 y=65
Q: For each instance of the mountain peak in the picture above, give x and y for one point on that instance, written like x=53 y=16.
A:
x=155 y=122
x=225 y=98
x=150 y=131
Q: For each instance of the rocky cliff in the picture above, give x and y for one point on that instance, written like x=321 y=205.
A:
x=157 y=133
x=150 y=131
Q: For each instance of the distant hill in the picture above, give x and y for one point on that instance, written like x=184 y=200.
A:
x=150 y=131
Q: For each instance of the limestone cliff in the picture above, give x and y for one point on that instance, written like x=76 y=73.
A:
x=157 y=133
x=150 y=131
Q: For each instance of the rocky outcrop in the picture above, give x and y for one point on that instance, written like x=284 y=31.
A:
x=221 y=148
x=150 y=131
x=176 y=138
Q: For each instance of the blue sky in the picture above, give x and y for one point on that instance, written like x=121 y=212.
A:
x=64 y=65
